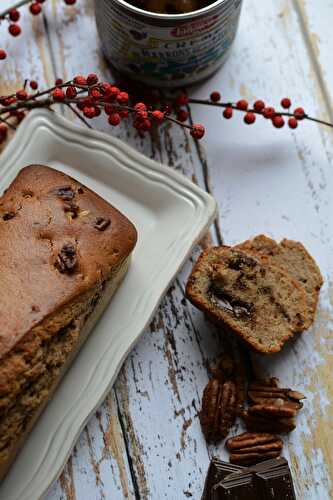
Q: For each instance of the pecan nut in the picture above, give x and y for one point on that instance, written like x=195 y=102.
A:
x=218 y=411
x=67 y=258
x=277 y=425
x=272 y=408
x=250 y=448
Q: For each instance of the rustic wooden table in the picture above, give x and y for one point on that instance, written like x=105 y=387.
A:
x=145 y=440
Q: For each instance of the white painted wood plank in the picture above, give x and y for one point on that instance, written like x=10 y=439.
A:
x=280 y=182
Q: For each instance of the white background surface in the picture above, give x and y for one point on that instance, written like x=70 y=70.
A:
x=145 y=441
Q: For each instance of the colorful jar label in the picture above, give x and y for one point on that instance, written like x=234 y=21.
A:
x=178 y=53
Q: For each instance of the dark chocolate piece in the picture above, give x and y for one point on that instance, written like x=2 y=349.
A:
x=276 y=484
x=217 y=471
x=242 y=487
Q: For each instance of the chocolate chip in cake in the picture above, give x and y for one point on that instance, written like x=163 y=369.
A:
x=101 y=223
x=8 y=215
x=72 y=208
x=80 y=191
x=65 y=193
x=67 y=258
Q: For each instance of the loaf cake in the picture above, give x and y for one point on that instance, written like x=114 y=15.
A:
x=63 y=252
x=292 y=257
x=260 y=302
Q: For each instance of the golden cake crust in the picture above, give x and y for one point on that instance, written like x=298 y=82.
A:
x=58 y=239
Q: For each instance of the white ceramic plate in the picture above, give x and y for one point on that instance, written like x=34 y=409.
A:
x=170 y=214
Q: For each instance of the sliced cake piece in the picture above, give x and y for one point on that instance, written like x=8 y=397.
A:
x=258 y=301
x=292 y=257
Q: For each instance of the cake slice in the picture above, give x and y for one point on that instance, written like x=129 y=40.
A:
x=292 y=257
x=63 y=252
x=256 y=300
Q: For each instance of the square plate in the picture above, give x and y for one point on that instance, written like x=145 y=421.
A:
x=170 y=213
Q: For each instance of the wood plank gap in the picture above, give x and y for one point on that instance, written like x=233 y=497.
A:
x=127 y=450
x=50 y=48
x=313 y=58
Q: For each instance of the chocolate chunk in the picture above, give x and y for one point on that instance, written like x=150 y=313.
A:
x=241 y=487
x=72 y=208
x=217 y=471
x=101 y=223
x=67 y=259
x=8 y=215
x=275 y=484
x=65 y=193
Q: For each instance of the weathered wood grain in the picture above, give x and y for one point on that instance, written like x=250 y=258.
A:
x=280 y=183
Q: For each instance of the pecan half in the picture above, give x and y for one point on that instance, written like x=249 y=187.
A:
x=218 y=411
x=250 y=448
x=101 y=223
x=67 y=258
x=65 y=193
x=263 y=424
x=272 y=408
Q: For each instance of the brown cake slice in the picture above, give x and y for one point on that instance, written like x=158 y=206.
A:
x=292 y=257
x=258 y=301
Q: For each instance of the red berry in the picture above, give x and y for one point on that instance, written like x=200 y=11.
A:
x=92 y=79
x=106 y=88
x=299 y=113
x=140 y=106
x=286 y=103
x=59 y=81
x=145 y=125
x=70 y=2
x=19 y=116
x=3 y=54
x=9 y=100
x=58 y=94
x=124 y=113
x=249 y=118
x=228 y=112
x=269 y=112
x=182 y=100
x=89 y=112
x=98 y=111
x=71 y=92
x=33 y=85
x=158 y=115
x=114 y=119
x=88 y=102
x=259 y=105
x=278 y=121
x=21 y=95
x=108 y=109
x=141 y=115
x=14 y=15
x=292 y=122
x=95 y=93
x=242 y=104
x=182 y=115
x=114 y=91
x=80 y=80
x=80 y=105
x=215 y=96
x=14 y=29
x=197 y=131
x=122 y=98
x=35 y=8
x=3 y=131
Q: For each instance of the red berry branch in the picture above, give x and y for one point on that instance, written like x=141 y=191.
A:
x=87 y=97
x=276 y=117
x=12 y=15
